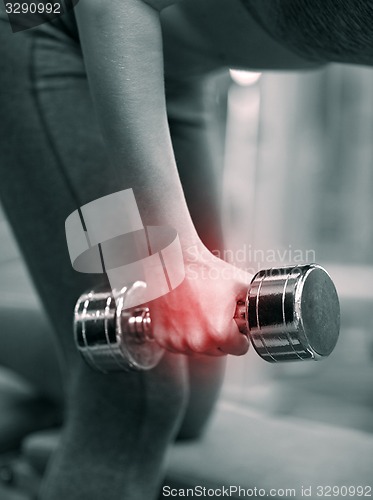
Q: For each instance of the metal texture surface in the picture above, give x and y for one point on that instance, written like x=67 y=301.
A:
x=290 y=313
x=111 y=337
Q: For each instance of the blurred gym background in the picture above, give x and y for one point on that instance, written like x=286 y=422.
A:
x=298 y=186
x=304 y=143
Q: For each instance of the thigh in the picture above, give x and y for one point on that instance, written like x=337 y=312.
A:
x=53 y=160
x=197 y=117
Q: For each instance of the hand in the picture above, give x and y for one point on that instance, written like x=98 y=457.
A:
x=197 y=317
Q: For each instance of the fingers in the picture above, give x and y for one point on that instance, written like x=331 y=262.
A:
x=217 y=343
x=228 y=342
x=234 y=342
x=198 y=317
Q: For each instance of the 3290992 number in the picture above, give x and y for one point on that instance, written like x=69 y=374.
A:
x=33 y=8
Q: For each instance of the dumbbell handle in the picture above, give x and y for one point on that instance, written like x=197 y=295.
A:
x=289 y=313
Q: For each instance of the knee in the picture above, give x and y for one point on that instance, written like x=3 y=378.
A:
x=206 y=376
x=150 y=401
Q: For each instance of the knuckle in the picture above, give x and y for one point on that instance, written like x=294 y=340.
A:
x=198 y=342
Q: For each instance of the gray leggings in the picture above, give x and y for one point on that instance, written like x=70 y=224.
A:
x=52 y=161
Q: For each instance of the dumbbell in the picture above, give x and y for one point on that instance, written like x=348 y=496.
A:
x=290 y=313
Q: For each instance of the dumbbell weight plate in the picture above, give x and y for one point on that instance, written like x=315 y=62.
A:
x=293 y=313
x=111 y=337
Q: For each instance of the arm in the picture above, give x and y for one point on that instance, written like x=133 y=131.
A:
x=123 y=53
x=122 y=49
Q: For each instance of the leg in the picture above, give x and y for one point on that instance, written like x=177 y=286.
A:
x=197 y=112
x=52 y=161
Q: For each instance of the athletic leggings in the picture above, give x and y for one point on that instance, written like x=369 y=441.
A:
x=52 y=161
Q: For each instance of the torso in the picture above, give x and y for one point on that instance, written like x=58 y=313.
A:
x=201 y=36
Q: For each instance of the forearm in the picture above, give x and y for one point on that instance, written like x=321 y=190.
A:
x=122 y=46
x=196 y=111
